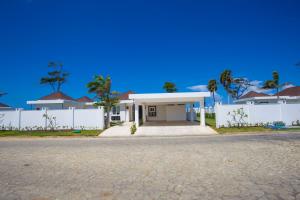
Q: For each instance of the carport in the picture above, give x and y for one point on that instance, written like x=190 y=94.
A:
x=167 y=109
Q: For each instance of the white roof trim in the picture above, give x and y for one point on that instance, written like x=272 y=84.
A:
x=268 y=98
x=48 y=101
x=170 y=97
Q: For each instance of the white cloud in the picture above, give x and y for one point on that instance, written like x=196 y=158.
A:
x=199 y=88
x=288 y=85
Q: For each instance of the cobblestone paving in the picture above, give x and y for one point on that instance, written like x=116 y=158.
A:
x=205 y=167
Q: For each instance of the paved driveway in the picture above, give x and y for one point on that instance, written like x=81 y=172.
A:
x=207 y=167
x=160 y=128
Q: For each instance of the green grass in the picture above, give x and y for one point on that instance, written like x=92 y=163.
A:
x=48 y=133
x=212 y=123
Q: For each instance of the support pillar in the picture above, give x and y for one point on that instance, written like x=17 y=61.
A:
x=202 y=113
x=144 y=113
x=191 y=112
x=136 y=114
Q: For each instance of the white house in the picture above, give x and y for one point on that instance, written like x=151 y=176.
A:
x=289 y=95
x=167 y=106
x=59 y=100
x=5 y=107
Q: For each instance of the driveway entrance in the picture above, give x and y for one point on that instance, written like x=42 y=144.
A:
x=173 y=128
x=159 y=128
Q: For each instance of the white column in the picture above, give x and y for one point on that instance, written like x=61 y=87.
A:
x=136 y=114
x=191 y=112
x=144 y=113
x=202 y=113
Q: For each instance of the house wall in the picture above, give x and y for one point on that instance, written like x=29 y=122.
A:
x=64 y=119
x=256 y=114
x=125 y=112
x=168 y=113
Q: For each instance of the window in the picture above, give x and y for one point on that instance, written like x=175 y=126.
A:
x=116 y=110
x=115 y=118
x=152 y=111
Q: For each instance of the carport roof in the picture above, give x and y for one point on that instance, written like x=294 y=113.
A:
x=170 y=97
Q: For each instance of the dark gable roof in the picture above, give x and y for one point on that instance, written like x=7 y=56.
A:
x=125 y=95
x=252 y=94
x=84 y=99
x=292 y=91
x=2 y=105
x=57 y=95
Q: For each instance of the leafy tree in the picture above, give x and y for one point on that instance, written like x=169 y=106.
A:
x=235 y=87
x=55 y=78
x=170 y=87
x=274 y=83
x=101 y=87
x=212 y=87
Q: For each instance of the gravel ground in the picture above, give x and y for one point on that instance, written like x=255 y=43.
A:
x=206 y=167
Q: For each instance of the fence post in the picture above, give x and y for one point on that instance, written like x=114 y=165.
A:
x=45 y=113
x=73 y=117
x=19 y=118
x=102 y=117
x=216 y=109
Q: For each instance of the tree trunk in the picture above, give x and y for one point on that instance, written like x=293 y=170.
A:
x=214 y=98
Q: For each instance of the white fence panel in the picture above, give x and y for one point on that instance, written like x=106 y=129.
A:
x=9 y=119
x=63 y=119
x=263 y=113
x=89 y=118
x=33 y=119
x=257 y=114
x=290 y=113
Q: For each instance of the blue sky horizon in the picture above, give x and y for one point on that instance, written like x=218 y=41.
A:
x=142 y=44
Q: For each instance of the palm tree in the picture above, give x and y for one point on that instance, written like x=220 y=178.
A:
x=170 y=87
x=101 y=87
x=273 y=84
x=226 y=80
x=212 y=87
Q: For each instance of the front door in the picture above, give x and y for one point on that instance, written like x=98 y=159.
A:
x=140 y=114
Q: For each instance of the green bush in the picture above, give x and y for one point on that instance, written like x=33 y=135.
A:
x=133 y=129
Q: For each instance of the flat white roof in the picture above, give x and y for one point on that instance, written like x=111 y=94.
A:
x=170 y=97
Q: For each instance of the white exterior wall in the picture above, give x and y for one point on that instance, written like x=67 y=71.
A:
x=267 y=113
x=65 y=119
x=168 y=113
x=175 y=113
x=160 y=113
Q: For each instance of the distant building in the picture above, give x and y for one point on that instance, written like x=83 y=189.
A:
x=290 y=95
x=5 y=107
x=59 y=100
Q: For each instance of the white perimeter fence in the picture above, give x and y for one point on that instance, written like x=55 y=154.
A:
x=227 y=115
x=85 y=119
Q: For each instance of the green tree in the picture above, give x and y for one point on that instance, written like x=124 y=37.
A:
x=212 y=87
x=101 y=87
x=55 y=78
x=274 y=83
x=170 y=87
x=235 y=87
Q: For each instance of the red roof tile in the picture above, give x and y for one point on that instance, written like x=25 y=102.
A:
x=252 y=94
x=84 y=99
x=2 y=105
x=125 y=95
x=292 y=91
x=57 y=95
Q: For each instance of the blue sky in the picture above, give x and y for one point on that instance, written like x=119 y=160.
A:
x=142 y=44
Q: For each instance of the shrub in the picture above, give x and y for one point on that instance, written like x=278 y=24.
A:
x=133 y=129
